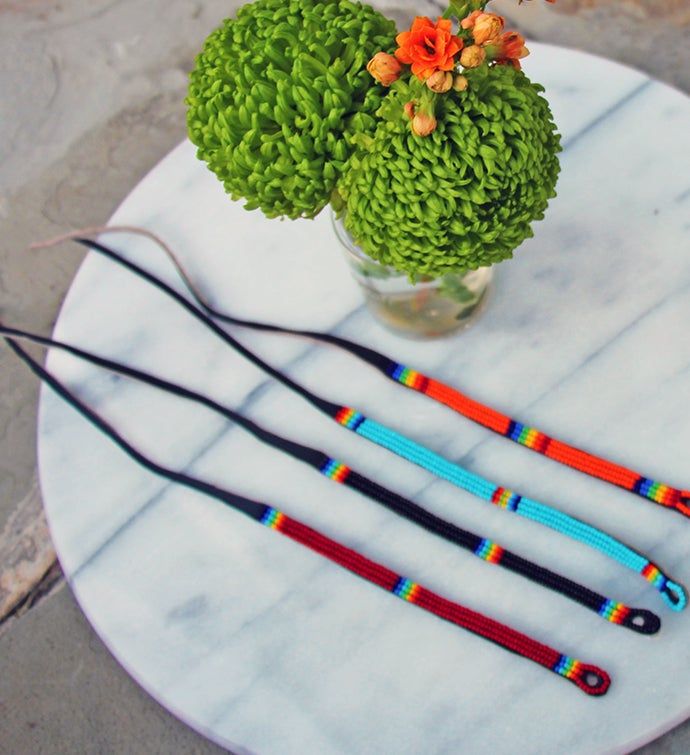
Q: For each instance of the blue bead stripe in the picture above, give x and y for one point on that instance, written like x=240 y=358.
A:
x=515 y=430
x=329 y=466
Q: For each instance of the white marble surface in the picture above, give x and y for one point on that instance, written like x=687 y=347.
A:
x=266 y=648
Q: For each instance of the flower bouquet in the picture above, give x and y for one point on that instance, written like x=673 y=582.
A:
x=434 y=149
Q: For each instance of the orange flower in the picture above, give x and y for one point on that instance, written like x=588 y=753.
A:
x=428 y=47
x=384 y=68
x=509 y=49
x=487 y=26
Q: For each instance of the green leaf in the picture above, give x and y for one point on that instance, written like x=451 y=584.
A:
x=453 y=288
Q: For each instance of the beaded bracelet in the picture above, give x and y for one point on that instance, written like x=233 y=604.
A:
x=639 y=620
x=652 y=490
x=589 y=678
x=672 y=593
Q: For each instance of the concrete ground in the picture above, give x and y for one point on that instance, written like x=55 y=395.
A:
x=90 y=99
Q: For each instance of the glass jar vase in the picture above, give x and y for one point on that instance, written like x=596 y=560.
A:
x=428 y=308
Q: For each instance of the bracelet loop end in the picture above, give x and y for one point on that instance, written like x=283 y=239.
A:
x=674 y=595
x=642 y=621
x=592 y=680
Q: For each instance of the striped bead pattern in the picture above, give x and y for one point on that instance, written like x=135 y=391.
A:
x=406 y=589
x=505 y=499
x=653 y=574
x=672 y=593
x=655 y=491
x=349 y=418
x=410 y=378
x=489 y=551
x=614 y=612
x=568 y=667
x=335 y=470
x=530 y=437
x=273 y=518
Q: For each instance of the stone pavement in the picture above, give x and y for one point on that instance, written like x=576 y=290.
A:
x=90 y=99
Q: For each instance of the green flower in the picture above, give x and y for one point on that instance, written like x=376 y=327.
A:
x=464 y=196
x=277 y=95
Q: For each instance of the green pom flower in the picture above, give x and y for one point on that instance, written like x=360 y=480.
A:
x=277 y=95
x=464 y=196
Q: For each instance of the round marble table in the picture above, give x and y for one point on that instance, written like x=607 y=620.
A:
x=264 y=647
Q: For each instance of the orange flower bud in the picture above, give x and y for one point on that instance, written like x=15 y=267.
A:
x=423 y=124
x=472 y=56
x=440 y=82
x=384 y=68
x=460 y=83
x=468 y=23
x=487 y=26
x=409 y=109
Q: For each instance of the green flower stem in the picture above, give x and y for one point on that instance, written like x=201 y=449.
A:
x=462 y=8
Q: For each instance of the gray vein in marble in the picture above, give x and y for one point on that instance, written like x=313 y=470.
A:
x=151 y=502
x=622 y=103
